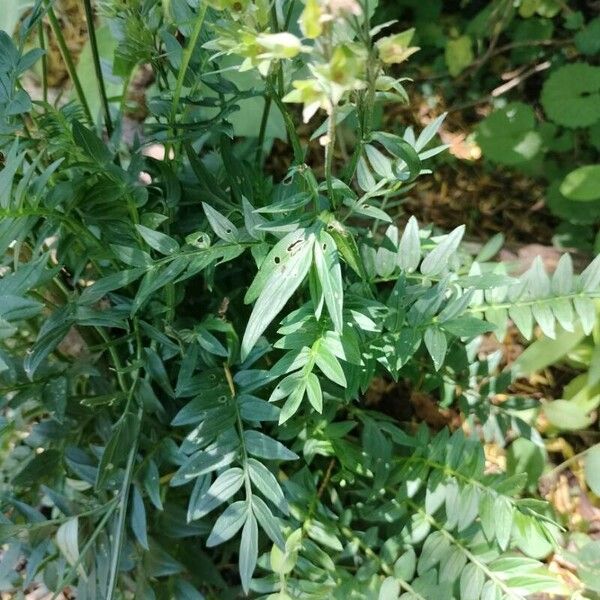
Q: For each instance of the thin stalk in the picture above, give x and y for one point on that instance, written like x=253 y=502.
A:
x=291 y=129
x=122 y=508
x=263 y=129
x=186 y=57
x=66 y=56
x=42 y=43
x=240 y=427
x=329 y=148
x=68 y=576
x=89 y=17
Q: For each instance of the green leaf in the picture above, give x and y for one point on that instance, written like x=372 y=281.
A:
x=562 y=279
x=405 y=566
x=582 y=184
x=436 y=344
x=437 y=260
x=467 y=326
x=223 y=488
x=116 y=449
x=134 y=257
x=248 y=551
x=381 y=164
x=267 y=484
x=314 y=392
x=588 y=39
x=220 y=224
x=267 y=521
x=566 y=415
x=330 y=365
x=571 y=95
x=263 y=446
x=471 y=582
x=292 y=404
x=159 y=241
x=67 y=540
x=504 y=519
x=409 y=249
x=91 y=144
x=546 y=351
x=389 y=590
x=330 y=276
x=110 y=283
x=138 y=518
x=228 y=523
x=586 y=310
x=590 y=278
x=283 y=281
x=459 y=54
x=204 y=462
x=508 y=135
x=364 y=177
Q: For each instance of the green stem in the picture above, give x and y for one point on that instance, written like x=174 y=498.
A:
x=263 y=129
x=353 y=538
x=240 y=427
x=42 y=43
x=68 y=59
x=467 y=553
x=122 y=508
x=329 y=148
x=290 y=128
x=68 y=576
x=89 y=16
x=186 y=57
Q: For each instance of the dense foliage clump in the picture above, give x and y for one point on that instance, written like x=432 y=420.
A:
x=187 y=342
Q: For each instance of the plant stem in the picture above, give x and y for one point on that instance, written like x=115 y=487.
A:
x=291 y=129
x=66 y=56
x=68 y=576
x=89 y=16
x=185 y=59
x=329 y=148
x=263 y=129
x=122 y=508
x=42 y=43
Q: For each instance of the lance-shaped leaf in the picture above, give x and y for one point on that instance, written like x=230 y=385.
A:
x=290 y=271
x=330 y=276
x=437 y=260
